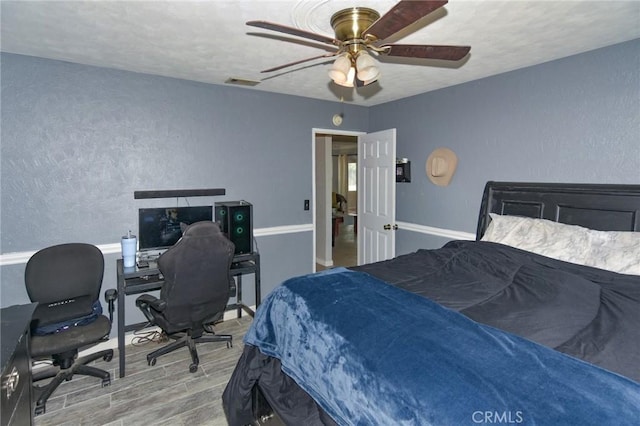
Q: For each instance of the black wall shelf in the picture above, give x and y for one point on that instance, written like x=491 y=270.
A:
x=171 y=193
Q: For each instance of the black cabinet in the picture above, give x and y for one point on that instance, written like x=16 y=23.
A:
x=16 y=365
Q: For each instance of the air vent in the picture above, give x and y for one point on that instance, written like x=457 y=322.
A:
x=242 y=82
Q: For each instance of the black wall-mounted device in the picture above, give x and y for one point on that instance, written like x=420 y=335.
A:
x=403 y=170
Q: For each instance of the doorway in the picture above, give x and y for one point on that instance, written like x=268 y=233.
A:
x=374 y=217
x=336 y=200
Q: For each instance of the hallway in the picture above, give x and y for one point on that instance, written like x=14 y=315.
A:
x=344 y=252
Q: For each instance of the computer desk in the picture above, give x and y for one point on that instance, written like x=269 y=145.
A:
x=136 y=280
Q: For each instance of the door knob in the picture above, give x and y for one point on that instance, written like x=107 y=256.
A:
x=388 y=227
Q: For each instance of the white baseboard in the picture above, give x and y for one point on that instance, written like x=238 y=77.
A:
x=439 y=232
x=324 y=262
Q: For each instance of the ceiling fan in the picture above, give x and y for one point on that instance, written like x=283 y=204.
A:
x=360 y=32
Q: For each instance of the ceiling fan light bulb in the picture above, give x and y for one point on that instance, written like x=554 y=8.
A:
x=338 y=77
x=368 y=74
x=364 y=60
x=367 y=69
x=351 y=76
x=340 y=69
x=344 y=80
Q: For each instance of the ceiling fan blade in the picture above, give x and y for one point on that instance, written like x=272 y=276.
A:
x=326 y=55
x=404 y=13
x=424 y=51
x=294 y=31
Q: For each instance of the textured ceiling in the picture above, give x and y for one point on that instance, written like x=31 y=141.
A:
x=208 y=41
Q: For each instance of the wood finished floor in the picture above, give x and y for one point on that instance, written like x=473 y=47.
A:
x=164 y=394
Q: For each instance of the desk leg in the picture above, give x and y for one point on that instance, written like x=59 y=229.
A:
x=239 y=294
x=121 y=324
x=257 y=282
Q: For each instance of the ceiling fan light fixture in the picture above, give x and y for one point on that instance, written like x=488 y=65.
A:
x=366 y=66
x=361 y=33
x=348 y=82
x=340 y=69
x=373 y=80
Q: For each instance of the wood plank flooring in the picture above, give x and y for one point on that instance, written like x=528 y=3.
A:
x=164 y=394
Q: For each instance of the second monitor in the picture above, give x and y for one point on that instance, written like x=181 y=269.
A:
x=235 y=219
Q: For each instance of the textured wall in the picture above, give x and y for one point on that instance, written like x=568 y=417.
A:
x=77 y=141
x=572 y=120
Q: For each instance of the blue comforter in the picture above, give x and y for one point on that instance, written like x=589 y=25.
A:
x=403 y=359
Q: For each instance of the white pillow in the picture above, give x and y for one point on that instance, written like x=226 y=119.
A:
x=616 y=251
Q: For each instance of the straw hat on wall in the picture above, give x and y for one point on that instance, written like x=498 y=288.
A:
x=441 y=165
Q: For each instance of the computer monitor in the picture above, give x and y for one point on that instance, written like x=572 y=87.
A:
x=159 y=227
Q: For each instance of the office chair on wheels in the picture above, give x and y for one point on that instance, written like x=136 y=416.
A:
x=196 y=290
x=65 y=281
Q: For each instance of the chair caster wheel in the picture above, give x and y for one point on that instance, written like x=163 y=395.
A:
x=152 y=362
x=107 y=357
x=193 y=368
x=106 y=382
x=229 y=345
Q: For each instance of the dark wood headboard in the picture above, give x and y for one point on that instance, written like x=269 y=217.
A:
x=603 y=207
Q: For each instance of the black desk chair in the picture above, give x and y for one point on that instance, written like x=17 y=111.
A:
x=65 y=281
x=195 y=292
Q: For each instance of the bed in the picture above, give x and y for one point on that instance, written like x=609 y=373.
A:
x=535 y=322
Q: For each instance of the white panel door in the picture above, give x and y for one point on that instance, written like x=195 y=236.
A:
x=376 y=196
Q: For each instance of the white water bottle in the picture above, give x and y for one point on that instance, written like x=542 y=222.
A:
x=129 y=245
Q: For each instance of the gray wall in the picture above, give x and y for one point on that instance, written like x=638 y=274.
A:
x=78 y=140
x=572 y=120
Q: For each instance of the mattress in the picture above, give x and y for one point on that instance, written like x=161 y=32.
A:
x=521 y=304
